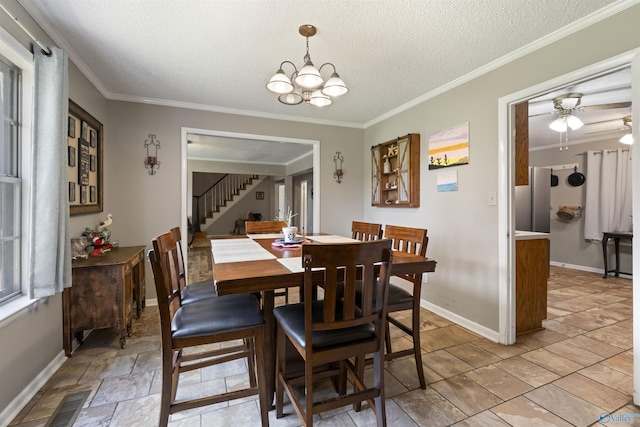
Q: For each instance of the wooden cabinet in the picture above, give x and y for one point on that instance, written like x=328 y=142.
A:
x=532 y=271
x=102 y=292
x=395 y=172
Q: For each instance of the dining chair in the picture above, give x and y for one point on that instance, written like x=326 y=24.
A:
x=201 y=323
x=414 y=241
x=366 y=231
x=264 y=227
x=193 y=291
x=268 y=227
x=328 y=332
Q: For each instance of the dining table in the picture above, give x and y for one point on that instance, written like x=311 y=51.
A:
x=262 y=263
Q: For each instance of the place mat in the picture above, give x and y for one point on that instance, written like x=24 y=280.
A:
x=333 y=239
x=294 y=264
x=237 y=250
x=265 y=236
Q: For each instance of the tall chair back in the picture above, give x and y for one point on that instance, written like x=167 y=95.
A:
x=335 y=329
x=366 y=231
x=263 y=227
x=414 y=241
x=197 y=325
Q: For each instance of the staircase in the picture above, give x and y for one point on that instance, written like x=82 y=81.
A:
x=220 y=197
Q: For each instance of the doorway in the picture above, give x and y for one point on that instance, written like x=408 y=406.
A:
x=506 y=216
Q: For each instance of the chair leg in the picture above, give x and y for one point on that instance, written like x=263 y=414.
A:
x=360 y=362
x=308 y=382
x=166 y=396
x=417 y=350
x=378 y=382
x=281 y=347
x=265 y=400
x=251 y=364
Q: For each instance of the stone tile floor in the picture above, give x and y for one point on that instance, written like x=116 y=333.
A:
x=576 y=369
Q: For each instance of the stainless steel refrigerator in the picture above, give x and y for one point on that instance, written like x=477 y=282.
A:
x=533 y=202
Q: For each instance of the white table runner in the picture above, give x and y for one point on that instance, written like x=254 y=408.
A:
x=237 y=250
x=333 y=239
x=294 y=264
x=266 y=236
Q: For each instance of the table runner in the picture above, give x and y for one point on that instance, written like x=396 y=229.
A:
x=237 y=250
x=333 y=239
x=266 y=236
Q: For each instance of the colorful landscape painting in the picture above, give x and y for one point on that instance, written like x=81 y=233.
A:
x=449 y=147
x=447 y=180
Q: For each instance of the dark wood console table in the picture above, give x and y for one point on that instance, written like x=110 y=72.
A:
x=102 y=292
x=616 y=236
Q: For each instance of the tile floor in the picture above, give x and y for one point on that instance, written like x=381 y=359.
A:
x=576 y=369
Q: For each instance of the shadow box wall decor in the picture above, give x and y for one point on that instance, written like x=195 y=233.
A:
x=84 y=166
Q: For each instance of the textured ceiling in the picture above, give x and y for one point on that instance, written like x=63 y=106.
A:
x=218 y=55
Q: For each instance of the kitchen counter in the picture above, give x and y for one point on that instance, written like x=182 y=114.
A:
x=531 y=235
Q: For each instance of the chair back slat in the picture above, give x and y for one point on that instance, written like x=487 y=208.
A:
x=410 y=240
x=345 y=264
x=166 y=254
x=366 y=231
x=263 y=227
x=182 y=272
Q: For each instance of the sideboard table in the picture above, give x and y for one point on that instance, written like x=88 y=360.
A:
x=616 y=236
x=102 y=292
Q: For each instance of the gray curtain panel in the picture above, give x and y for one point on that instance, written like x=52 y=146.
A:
x=49 y=242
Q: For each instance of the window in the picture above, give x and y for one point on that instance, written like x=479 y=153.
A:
x=16 y=129
x=10 y=184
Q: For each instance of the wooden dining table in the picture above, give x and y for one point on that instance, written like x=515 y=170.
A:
x=252 y=264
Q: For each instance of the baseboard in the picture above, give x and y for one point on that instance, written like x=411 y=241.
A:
x=585 y=268
x=151 y=302
x=21 y=400
x=462 y=321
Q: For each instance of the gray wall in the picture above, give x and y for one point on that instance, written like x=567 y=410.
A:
x=463 y=228
x=568 y=246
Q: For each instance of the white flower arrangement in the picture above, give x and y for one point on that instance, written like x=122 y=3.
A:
x=288 y=217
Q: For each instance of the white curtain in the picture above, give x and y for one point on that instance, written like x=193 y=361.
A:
x=50 y=267
x=608 y=201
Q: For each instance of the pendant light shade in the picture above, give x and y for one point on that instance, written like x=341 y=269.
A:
x=627 y=139
x=280 y=83
x=307 y=84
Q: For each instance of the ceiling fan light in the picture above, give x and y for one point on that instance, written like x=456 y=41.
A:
x=280 y=83
x=319 y=99
x=627 y=139
x=335 y=86
x=293 y=98
x=574 y=123
x=309 y=77
x=570 y=103
x=559 y=125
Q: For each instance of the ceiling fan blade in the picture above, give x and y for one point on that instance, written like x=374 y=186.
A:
x=608 y=131
x=544 y=114
x=605 y=106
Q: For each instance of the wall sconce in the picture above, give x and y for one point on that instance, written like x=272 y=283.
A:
x=151 y=162
x=338 y=159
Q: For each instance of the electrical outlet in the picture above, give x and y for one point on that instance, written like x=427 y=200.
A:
x=491 y=199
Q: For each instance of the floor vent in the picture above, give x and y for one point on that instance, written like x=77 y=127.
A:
x=68 y=410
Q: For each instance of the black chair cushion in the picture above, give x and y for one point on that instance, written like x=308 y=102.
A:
x=291 y=317
x=397 y=295
x=216 y=315
x=199 y=291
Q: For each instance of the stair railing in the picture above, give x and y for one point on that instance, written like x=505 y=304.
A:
x=217 y=195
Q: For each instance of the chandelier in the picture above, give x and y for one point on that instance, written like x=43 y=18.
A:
x=306 y=84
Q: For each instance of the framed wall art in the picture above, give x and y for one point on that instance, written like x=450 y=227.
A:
x=449 y=147
x=84 y=171
x=259 y=195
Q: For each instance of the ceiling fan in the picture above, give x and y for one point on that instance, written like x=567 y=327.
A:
x=627 y=124
x=566 y=104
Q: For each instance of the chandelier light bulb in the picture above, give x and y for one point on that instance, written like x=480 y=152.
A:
x=319 y=99
x=334 y=86
x=293 y=98
x=309 y=77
